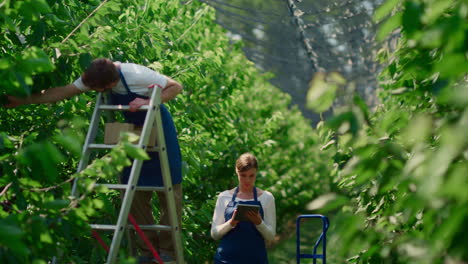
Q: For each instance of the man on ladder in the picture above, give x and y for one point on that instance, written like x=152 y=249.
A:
x=130 y=84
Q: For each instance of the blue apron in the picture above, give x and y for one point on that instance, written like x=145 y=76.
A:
x=244 y=244
x=151 y=170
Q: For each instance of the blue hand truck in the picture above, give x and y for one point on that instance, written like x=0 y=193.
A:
x=322 y=238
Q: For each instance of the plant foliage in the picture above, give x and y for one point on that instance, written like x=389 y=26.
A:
x=404 y=166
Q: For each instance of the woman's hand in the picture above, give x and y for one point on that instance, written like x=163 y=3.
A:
x=254 y=217
x=232 y=221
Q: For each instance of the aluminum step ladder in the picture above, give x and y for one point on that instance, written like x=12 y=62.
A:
x=153 y=115
x=322 y=239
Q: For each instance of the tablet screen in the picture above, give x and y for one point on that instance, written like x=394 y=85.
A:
x=243 y=208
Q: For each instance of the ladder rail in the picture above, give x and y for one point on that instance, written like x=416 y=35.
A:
x=154 y=103
x=170 y=197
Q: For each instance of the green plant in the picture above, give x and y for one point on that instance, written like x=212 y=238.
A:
x=403 y=166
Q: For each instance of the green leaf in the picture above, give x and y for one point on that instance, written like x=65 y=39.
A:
x=327 y=202
x=135 y=152
x=54 y=154
x=56 y=204
x=411 y=19
x=35 y=60
x=435 y=10
x=385 y=9
x=4 y=64
x=418 y=130
x=9 y=232
x=85 y=60
x=32 y=9
x=46 y=238
x=361 y=104
x=5 y=142
x=322 y=91
x=29 y=183
x=70 y=143
x=98 y=203
x=344 y=123
x=10 y=237
x=389 y=26
x=432 y=38
x=22 y=81
x=452 y=65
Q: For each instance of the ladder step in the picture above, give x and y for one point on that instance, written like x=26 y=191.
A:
x=122 y=107
x=101 y=146
x=106 y=146
x=143 y=227
x=138 y=188
x=312 y=256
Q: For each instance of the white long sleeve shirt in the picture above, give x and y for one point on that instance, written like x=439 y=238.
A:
x=267 y=228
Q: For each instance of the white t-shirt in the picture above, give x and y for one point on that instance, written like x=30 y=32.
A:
x=268 y=226
x=138 y=79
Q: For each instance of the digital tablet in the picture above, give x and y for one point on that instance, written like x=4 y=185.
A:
x=242 y=209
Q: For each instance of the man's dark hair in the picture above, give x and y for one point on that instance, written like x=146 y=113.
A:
x=100 y=73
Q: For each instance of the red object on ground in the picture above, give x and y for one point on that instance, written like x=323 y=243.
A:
x=145 y=239
x=140 y=233
x=101 y=242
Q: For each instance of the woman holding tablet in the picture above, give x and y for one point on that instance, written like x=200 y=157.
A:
x=243 y=242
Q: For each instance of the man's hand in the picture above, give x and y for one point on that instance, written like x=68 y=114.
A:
x=14 y=101
x=153 y=85
x=137 y=103
x=170 y=91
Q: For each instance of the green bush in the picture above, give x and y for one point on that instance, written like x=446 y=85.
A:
x=403 y=167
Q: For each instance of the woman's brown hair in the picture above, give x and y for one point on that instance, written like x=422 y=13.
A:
x=246 y=162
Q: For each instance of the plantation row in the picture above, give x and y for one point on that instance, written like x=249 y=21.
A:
x=401 y=169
